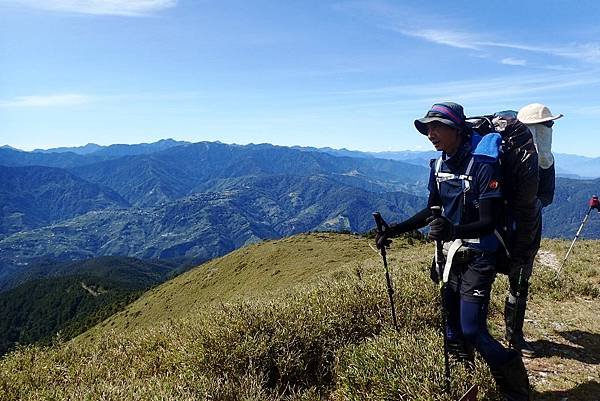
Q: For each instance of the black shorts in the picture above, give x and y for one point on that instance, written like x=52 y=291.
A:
x=474 y=279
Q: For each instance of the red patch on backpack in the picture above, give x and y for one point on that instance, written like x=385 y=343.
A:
x=493 y=184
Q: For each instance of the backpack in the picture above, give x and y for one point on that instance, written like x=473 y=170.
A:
x=520 y=226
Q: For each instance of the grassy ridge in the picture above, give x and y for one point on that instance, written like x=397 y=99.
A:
x=329 y=338
x=263 y=268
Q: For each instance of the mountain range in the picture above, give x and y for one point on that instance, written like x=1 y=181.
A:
x=192 y=201
x=195 y=201
x=567 y=165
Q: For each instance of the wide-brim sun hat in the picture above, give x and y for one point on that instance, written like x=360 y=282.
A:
x=536 y=113
x=447 y=113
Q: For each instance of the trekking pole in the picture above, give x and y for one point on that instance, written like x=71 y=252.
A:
x=511 y=341
x=381 y=228
x=594 y=203
x=437 y=212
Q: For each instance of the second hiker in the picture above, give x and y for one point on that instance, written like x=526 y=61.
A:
x=539 y=120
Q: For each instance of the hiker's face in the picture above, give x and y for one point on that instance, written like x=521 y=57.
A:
x=443 y=137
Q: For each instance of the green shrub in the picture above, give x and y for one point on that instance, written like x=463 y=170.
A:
x=405 y=366
x=292 y=341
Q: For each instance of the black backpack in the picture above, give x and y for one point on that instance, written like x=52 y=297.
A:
x=521 y=217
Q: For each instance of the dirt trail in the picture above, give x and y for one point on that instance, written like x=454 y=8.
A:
x=566 y=336
x=548 y=259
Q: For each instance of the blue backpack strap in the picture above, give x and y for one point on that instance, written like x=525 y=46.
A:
x=466 y=178
x=437 y=171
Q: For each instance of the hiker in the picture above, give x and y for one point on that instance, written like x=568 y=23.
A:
x=469 y=214
x=539 y=120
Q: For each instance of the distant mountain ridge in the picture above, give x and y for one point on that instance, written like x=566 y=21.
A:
x=584 y=167
x=184 y=170
x=568 y=165
x=69 y=157
x=117 y=149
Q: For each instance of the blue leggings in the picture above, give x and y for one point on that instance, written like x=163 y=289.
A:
x=468 y=321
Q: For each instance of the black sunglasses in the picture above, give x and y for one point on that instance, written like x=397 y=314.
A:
x=548 y=124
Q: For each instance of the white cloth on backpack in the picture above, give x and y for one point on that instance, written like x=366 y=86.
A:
x=542 y=137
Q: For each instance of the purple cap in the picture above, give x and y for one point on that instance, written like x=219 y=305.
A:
x=447 y=113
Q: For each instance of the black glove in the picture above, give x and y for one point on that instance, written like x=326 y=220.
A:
x=441 y=229
x=383 y=238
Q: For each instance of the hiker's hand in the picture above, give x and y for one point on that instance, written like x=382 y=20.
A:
x=382 y=239
x=441 y=229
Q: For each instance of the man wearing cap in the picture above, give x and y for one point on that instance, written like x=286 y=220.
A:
x=539 y=120
x=469 y=192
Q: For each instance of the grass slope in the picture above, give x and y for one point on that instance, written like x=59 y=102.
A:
x=319 y=329
x=266 y=267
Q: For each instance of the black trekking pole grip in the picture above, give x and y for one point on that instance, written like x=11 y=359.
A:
x=381 y=224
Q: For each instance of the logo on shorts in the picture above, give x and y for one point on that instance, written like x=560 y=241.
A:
x=478 y=293
x=494 y=184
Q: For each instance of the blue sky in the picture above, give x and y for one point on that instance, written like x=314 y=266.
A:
x=351 y=74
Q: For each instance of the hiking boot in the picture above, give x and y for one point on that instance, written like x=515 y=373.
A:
x=519 y=343
x=511 y=378
x=462 y=351
x=514 y=316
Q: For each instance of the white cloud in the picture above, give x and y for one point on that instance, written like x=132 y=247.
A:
x=461 y=40
x=588 y=52
x=414 y=23
x=131 y=8
x=46 y=101
x=513 y=61
x=509 y=89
